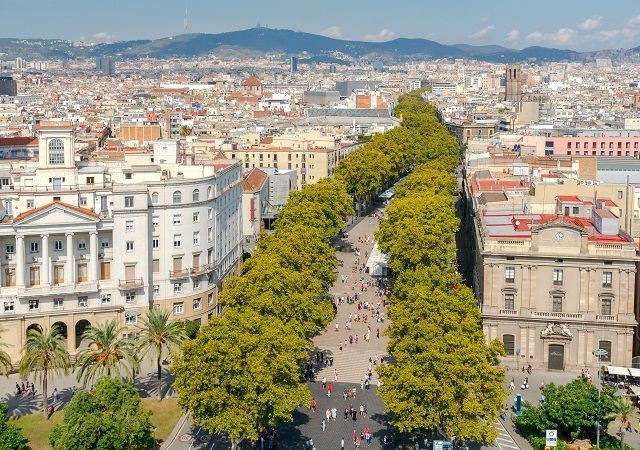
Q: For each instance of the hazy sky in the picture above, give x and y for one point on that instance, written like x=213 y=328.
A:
x=575 y=24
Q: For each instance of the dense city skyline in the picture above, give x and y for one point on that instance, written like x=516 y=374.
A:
x=592 y=26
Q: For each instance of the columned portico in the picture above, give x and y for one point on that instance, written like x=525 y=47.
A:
x=69 y=278
x=93 y=253
x=45 y=277
x=20 y=260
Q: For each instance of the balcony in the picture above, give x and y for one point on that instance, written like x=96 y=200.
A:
x=180 y=273
x=557 y=315
x=508 y=312
x=58 y=289
x=604 y=318
x=131 y=283
x=202 y=269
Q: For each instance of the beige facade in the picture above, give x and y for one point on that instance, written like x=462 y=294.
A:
x=555 y=297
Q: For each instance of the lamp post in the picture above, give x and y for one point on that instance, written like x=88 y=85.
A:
x=599 y=353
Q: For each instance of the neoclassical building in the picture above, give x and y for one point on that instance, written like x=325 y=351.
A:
x=554 y=287
x=85 y=240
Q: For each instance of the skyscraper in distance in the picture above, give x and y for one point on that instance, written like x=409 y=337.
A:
x=293 y=64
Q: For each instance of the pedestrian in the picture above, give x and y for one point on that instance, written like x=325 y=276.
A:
x=324 y=425
x=342 y=444
x=328 y=414
x=354 y=435
x=335 y=374
x=378 y=333
x=334 y=413
x=324 y=383
x=55 y=394
x=313 y=405
x=329 y=389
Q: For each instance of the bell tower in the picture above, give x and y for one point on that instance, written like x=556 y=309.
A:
x=56 y=145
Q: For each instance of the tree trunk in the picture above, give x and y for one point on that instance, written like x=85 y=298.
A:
x=622 y=437
x=159 y=376
x=45 y=397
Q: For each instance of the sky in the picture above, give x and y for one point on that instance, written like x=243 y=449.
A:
x=575 y=24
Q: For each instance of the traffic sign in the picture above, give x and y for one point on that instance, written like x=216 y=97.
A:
x=600 y=352
x=442 y=445
x=552 y=438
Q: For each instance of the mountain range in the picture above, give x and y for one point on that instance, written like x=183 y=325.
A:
x=260 y=41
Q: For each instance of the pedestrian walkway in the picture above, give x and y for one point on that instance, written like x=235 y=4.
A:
x=504 y=440
x=351 y=361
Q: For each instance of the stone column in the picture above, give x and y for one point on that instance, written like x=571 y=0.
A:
x=45 y=277
x=93 y=254
x=20 y=260
x=69 y=278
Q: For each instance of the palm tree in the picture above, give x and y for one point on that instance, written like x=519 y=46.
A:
x=159 y=336
x=622 y=410
x=107 y=353
x=5 y=359
x=45 y=352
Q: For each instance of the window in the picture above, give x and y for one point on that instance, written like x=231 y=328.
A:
x=607 y=279
x=509 y=300
x=56 y=152
x=155 y=221
x=10 y=277
x=177 y=197
x=209 y=234
x=30 y=204
x=34 y=275
x=34 y=247
x=576 y=210
x=177 y=219
x=196 y=238
x=58 y=303
x=104 y=243
x=82 y=244
x=34 y=304
x=156 y=289
x=196 y=284
x=105 y=299
x=178 y=308
x=155 y=265
x=605 y=306
x=606 y=346
x=619 y=195
x=557 y=277
x=155 y=242
x=9 y=307
x=177 y=240
x=10 y=249
x=196 y=217
x=509 y=274
x=83 y=302
x=58 y=274
x=57 y=245
x=128 y=225
x=210 y=213
x=209 y=299
x=509 y=341
x=130 y=296
x=91 y=180
x=210 y=191
x=196 y=303
x=130 y=319
x=129 y=246
x=556 y=303
x=154 y=198
x=82 y=273
x=128 y=201
x=128 y=175
x=177 y=288
x=196 y=195
x=83 y=201
x=105 y=270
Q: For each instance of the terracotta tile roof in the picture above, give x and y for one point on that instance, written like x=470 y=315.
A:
x=31 y=212
x=18 y=140
x=252 y=81
x=254 y=180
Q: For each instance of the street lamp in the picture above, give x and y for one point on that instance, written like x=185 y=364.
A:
x=599 y=353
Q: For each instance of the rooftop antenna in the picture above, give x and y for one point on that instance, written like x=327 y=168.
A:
x=186 y=20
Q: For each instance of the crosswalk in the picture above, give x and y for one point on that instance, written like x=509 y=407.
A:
x=504 y=440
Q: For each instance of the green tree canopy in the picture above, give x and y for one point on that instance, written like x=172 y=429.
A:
x=10 y=436
x=109 y=418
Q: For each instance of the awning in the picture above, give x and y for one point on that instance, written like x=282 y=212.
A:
x=615 y=370
x=634 y=372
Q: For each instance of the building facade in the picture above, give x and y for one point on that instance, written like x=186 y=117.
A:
x=84 y=242
x=554 y=288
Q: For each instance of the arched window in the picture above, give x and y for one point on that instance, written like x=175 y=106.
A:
x=177 y=197
x=606 y=346
x=154 y=198
x=509 y=341
x=196 y=195
x=209 y=192
x=56 y=151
